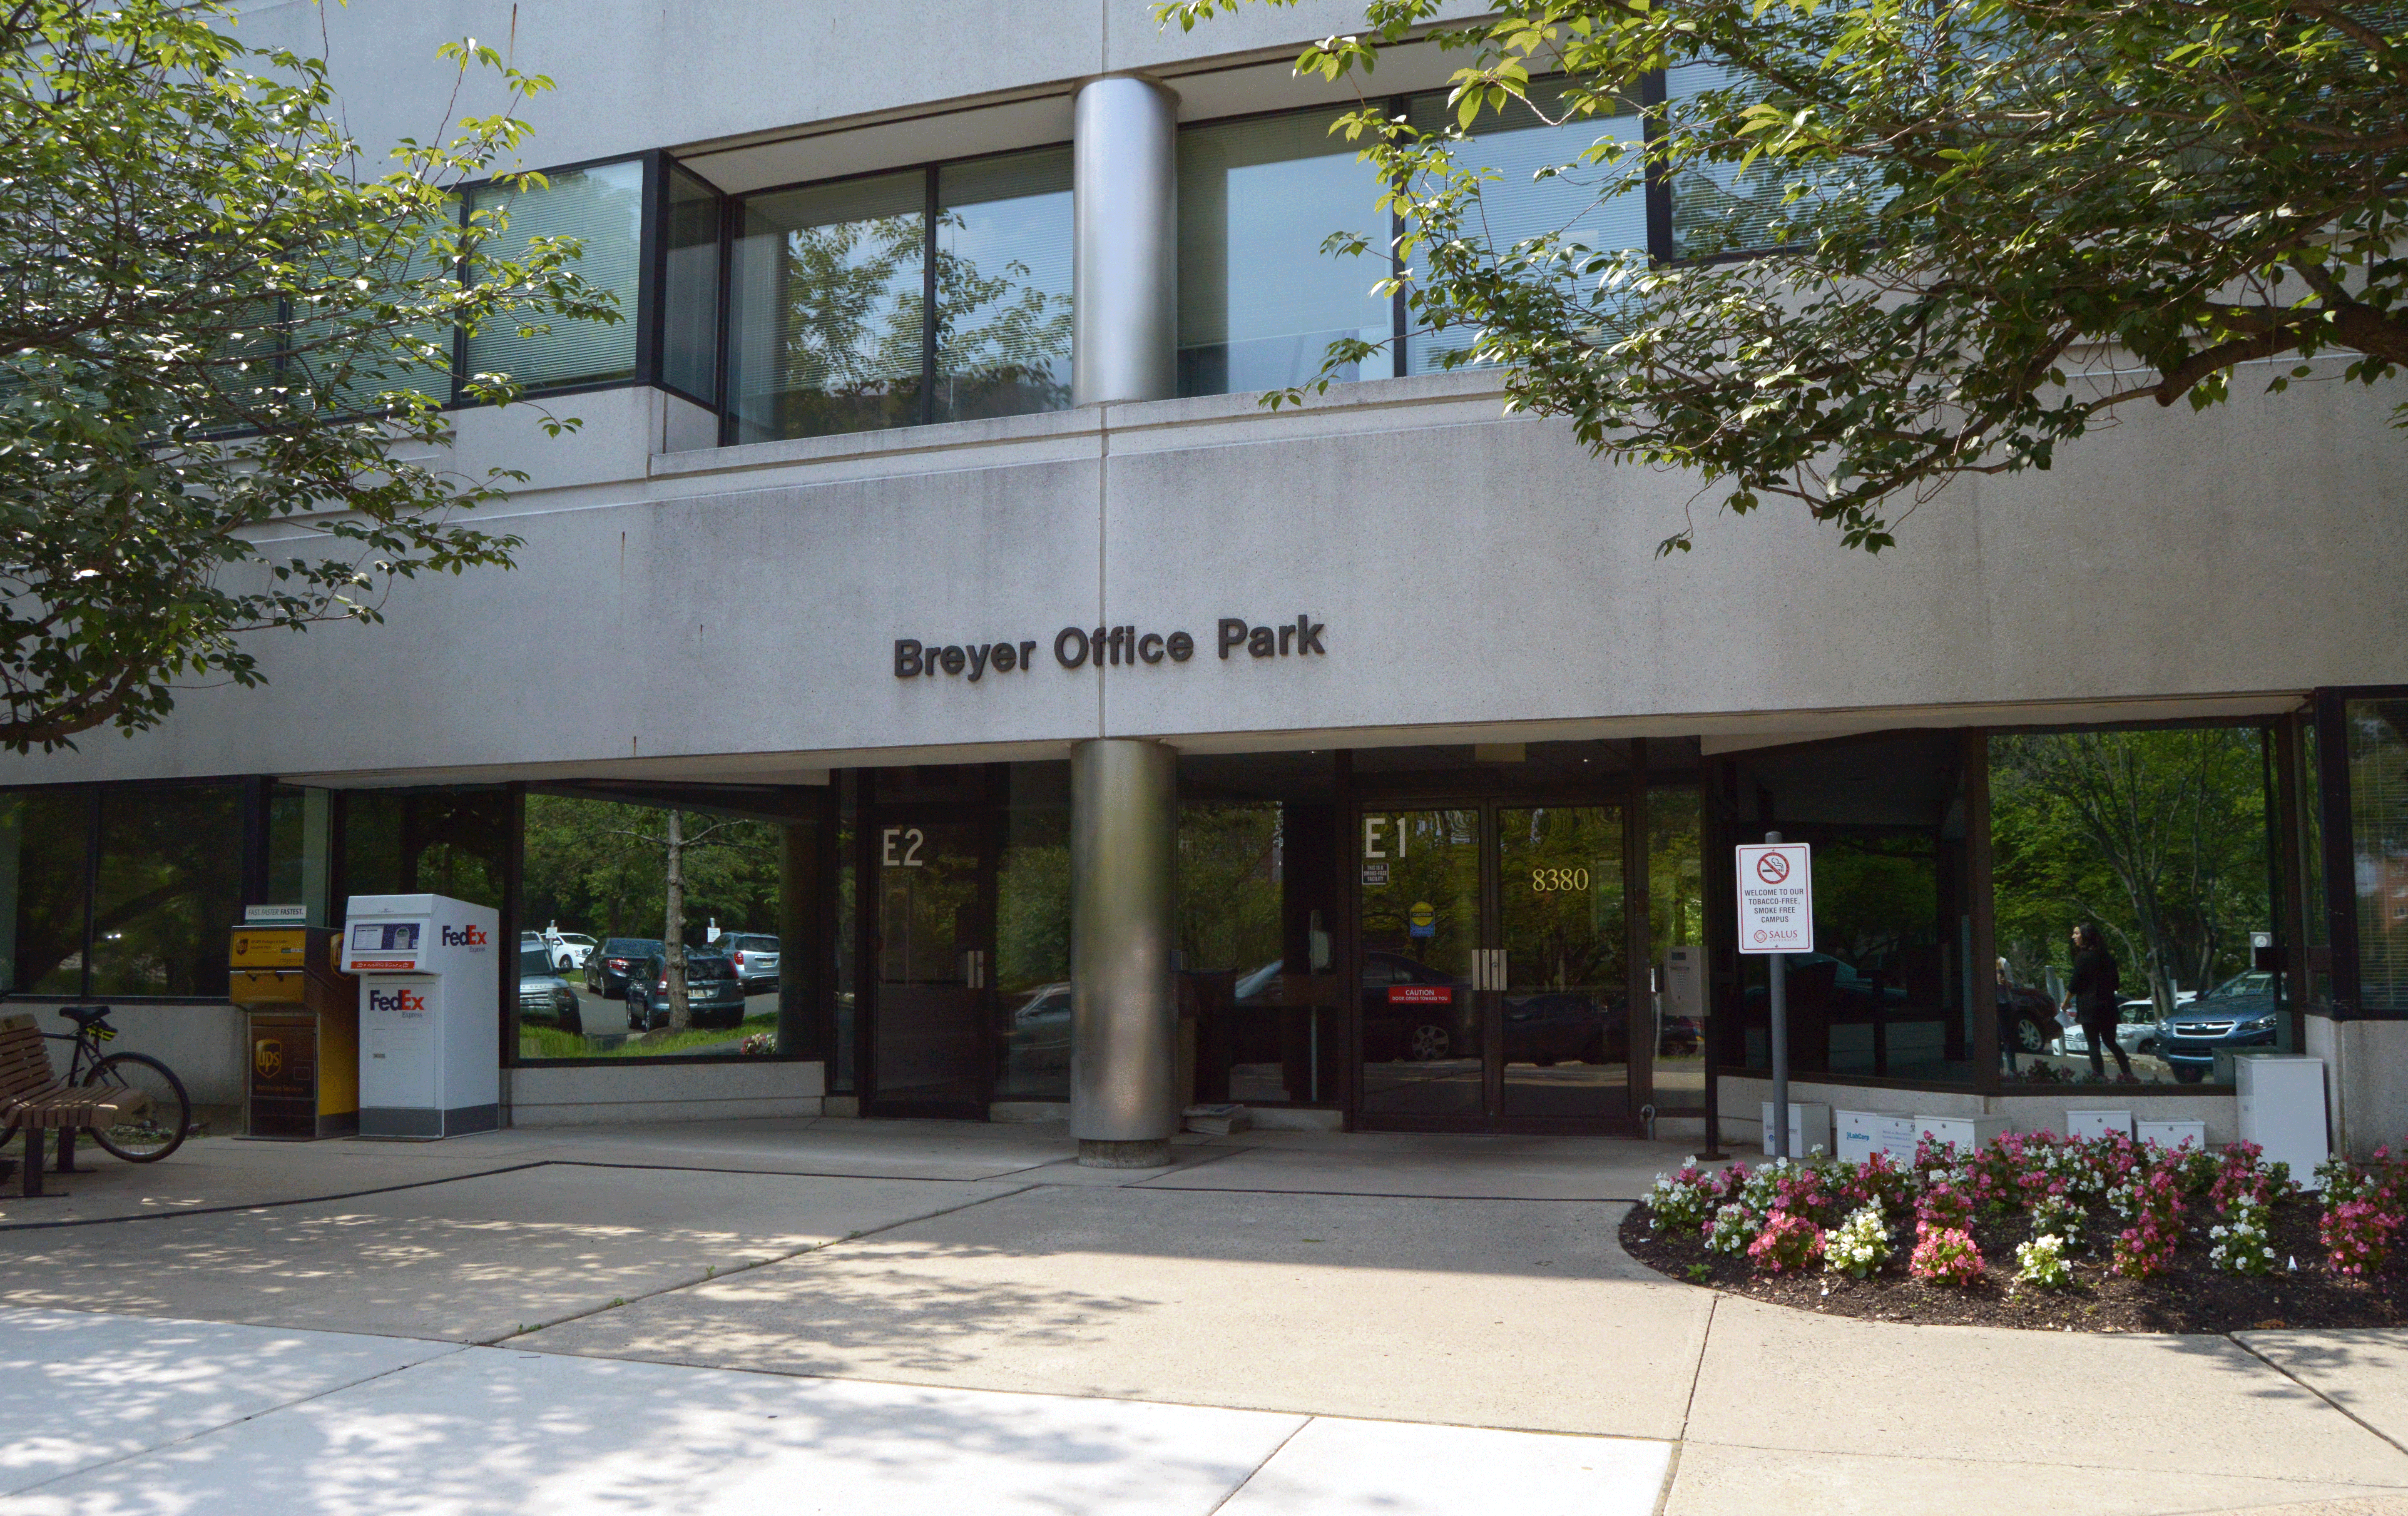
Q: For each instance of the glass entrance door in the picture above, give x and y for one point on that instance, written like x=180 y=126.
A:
x=1495 y=975
x=932 y=974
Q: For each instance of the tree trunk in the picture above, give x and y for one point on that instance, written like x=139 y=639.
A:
x=673 y=928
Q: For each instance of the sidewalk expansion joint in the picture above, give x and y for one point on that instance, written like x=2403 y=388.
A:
x=1234 y=1489
x=271 y=1205
x=455 y=1348
x=2370 y=1426
x=1698 y=1369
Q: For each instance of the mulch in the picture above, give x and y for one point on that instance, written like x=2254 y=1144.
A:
x=2192 y=1297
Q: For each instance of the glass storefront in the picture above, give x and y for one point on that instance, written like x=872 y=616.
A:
x=2378 y=846
x=2159 y=841
x=1498 y=922
x=124 y=891
x=1260 y=995
x=1888 y=992
x=1507 y=936
x=667 y=924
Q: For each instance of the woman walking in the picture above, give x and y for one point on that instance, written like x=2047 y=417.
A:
x=2091 y=993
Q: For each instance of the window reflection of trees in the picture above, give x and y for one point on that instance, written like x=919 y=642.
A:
x=1003 y=345
x=854 y=321
x=850 y=332
x=2159 y=836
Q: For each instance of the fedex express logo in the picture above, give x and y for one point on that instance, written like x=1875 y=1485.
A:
x=464 y=936
x=396 y=1000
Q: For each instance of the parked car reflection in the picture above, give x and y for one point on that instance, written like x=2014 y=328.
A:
x=714 y=996
x=568 y=949
x=2138 y=1031
x=2237 y=1014
x=755 y=957
x=1415 y=1013
x=607 y=972
x=545 y=999
x=1037 y=1037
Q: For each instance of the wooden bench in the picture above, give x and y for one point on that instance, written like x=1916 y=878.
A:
x=33 y=1101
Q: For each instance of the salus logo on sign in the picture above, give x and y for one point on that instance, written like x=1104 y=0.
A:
x=1080 y=647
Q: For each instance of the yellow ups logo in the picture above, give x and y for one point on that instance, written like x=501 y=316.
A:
x=268 y=1057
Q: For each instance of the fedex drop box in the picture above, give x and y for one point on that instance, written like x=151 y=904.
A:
x=430 y=1007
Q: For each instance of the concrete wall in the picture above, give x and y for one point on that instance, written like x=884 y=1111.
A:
x=1742 y=1098
x=632 y=75
x=664 y=1093
x=1476 y=575
x=2366 y=1081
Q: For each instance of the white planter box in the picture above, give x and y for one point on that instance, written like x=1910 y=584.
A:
x=2082 y=1125
x=1970 y=1132
x=2172 y=1135
x=1810 y=1127
x=1857 y=1135
x=2282 y=1109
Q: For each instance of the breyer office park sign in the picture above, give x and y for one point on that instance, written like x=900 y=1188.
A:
x=1080 y=646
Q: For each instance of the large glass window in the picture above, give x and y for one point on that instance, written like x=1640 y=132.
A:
x=666 y=929
x=1259 y=303
x=169 y=889
x=2158 y=841
x=45 y=840
x=603 y=207
x=827 y=310
x=451 y=842
x=1722 y=209
x=300 y=834
x=1516 y=145
x=1258 y=988
x=1676 y=922
x=830 y=320
x=1032 y=949
x=1003 y=286
x=1887 y=991
x=2378 y=817
x=121 y=892
x=690 y=297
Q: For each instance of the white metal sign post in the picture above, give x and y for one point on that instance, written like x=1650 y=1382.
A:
x=1776 y=917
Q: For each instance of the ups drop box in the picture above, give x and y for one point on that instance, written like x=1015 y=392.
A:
x=301 y=1075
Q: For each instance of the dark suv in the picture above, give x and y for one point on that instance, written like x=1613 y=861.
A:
x=2237 y=1013
x=714 y=996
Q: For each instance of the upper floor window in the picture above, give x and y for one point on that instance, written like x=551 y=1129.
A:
x=1260 y=299
x=1259 y=303
x=940 y=293
x=603 y=207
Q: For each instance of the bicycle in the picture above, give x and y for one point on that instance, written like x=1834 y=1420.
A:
x=143 y=1136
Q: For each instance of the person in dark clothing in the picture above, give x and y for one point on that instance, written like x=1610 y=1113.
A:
x=2091 y=993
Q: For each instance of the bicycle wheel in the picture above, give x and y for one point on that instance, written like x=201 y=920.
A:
x=151 y=1134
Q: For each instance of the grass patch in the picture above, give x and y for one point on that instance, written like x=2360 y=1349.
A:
x=540 y=1042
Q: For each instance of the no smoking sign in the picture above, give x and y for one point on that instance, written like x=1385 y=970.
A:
x=1776 y=898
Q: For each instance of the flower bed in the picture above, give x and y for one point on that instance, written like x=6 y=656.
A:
x=2038 y=1231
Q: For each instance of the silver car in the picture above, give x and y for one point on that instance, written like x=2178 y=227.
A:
x=755 y=957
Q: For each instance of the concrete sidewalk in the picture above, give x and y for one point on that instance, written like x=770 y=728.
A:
x=192 y=1418
x=1314 y=1280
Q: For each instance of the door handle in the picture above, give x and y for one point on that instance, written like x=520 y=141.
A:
x=1488 y=969
x=974 y=968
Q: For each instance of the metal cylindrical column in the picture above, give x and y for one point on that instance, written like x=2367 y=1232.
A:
x=1123 y=1012
x=1124 y=263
